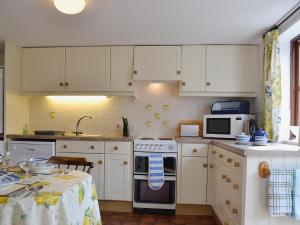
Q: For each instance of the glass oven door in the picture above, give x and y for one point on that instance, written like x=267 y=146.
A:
x=141 y=163
x=144 y=194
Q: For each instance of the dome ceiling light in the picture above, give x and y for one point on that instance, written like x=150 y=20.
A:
x=70 y=6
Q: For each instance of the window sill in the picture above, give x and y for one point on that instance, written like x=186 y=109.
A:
x=290 y=142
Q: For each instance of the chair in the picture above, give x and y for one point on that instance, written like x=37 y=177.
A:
x=72 y=161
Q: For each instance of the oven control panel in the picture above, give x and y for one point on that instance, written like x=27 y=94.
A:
x=155 y=146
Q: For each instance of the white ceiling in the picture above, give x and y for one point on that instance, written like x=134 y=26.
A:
x=121 y=22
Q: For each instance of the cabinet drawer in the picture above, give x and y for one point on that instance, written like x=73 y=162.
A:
x=234 y=209
x=194 y=150
x=88 y=147
x=118 y=147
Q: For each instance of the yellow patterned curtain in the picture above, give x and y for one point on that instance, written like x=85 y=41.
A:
x=271 y=117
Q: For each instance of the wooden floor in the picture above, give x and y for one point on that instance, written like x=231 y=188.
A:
x=125 y=218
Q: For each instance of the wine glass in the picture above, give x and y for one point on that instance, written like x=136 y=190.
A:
x=26 y=165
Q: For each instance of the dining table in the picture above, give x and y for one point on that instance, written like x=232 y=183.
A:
x=57 y=199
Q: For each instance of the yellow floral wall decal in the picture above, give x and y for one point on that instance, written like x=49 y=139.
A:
x=156 y=116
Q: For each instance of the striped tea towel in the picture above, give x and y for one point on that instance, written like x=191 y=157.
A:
x=156 y=171
x=296 y=195
x=280 y=191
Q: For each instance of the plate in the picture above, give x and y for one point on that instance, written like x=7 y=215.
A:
x=9 y=179
x=42 y=169
x=258 y=144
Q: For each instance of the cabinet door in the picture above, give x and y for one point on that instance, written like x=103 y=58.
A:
x=193 y=68
x=43 y=69
x=97 y=172
x=157 y=63
x=121 y=68
x=231 y=68
x=87 y=69
x=118 y=177
x=193 y=180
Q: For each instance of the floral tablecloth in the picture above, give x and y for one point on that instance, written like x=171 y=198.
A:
x=64 y=200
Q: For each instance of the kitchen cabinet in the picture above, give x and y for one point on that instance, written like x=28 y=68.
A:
x=226 y=185
x=97 y=172
x=87 y=69
x=118 y=177
x=193 y=180
x=121 y=68
x=192 y=175
x=155 y=63
x=193 y=68
x=43 y=69
x=231 y=68
x=93 y=151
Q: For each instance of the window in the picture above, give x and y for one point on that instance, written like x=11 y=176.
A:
x=295 y=82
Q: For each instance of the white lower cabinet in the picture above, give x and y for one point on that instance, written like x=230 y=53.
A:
x=112 y=172
x=193 y=180
x=226 y=185
x=97 y=172
x=118 y=177
x=192 y=173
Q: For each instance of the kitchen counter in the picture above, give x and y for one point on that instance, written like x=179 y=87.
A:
x=243 y=150
x=68 y=137
x=247 y=150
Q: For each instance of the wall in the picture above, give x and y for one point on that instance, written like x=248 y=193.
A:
x=155 y=112
x=16 y=106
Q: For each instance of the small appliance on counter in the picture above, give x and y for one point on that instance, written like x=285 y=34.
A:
x=231 y=107
x=225 y=126
x=189 y=130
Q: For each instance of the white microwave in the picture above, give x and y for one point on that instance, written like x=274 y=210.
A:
x=225 y=126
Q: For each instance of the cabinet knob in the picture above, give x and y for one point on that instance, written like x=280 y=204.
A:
x=61 y=84
x=205 y=165
x=178 y=71
x=65 y=146
x=211 y=166
x=229 y=160
x=236 y=186
x=129 y=83
x=220 y=156
x=183 y=83
x=227 y=202
x=100 y=162
x=125 y=162
x=223 y=177
x=214 y=152
x=116 y=148
x=236 y=165
x=208 y=83
x=195 y=150
x=66 y=84
x=135 y=72
x=228 y=180
x=235 y=211
x=92 y=147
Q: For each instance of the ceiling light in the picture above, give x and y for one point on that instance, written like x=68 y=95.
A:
x=70 y=6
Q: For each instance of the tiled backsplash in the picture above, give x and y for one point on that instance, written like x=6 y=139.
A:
x=155 y=111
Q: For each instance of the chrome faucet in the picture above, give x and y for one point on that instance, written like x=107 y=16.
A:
x=77 y=131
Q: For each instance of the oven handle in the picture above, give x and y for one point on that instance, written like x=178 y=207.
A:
x=143 y=177
x=164 y=155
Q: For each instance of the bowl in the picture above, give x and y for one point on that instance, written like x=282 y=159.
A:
x=39 y=161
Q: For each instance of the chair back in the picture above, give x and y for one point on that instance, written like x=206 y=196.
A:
x=72 y=161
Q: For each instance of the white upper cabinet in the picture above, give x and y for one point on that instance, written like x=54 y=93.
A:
x=87 y=69
x=43 y=69
x=157 y=63
x=121 y=68
x=193 y=68
x=231 y=68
